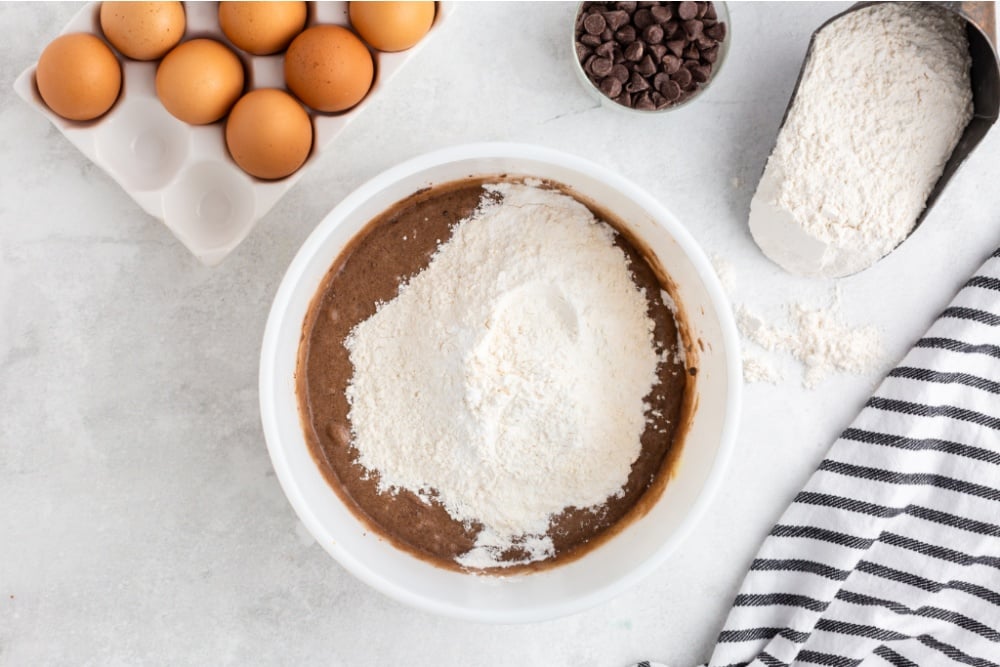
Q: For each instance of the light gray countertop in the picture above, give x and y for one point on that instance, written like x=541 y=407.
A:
x=140 y=520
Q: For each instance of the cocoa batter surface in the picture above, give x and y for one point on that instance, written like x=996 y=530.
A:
x=389 y=251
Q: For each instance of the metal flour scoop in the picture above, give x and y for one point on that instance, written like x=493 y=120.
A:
x=980 y=26
x=980 y=21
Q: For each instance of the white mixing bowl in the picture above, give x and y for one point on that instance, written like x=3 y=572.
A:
x=604 y=571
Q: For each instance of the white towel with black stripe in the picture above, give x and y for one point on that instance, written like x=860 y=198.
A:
x=890 y=555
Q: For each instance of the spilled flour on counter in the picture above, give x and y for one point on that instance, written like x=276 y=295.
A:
x=816 y=336
x=759 y=369
x=516 y=365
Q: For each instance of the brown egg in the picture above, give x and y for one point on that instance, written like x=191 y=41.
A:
x=329 y=68
x=268 y=133
x=199 y=81
x=262 y=28
x=143 y=30
x=392 y=26
x=78 y=76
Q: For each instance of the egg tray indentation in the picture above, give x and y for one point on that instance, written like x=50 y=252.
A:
x=183 y=175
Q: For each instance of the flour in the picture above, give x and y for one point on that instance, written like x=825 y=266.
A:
x=883 y=100
x=507 y=379
x=758 y=369
x=725 y=272
x=818 y=337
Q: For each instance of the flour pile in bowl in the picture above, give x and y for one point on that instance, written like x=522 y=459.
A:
x=516 y=364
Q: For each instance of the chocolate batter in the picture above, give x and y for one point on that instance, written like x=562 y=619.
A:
x=390 y=250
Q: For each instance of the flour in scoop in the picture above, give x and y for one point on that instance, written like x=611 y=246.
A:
x=883 y=100
x=517 y=365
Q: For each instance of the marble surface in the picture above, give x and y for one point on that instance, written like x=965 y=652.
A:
x=140 y=520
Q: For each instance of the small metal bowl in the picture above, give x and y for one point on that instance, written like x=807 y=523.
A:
x=721 y=10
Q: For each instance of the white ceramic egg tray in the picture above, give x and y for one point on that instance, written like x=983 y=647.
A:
x=183 y=174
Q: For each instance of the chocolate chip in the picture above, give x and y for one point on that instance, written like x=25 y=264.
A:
x=716 y=32
x=643 y=19
x=619 y=72
x=671 y=90
x=653 y=34
x=657 y=51
x=606 y=50
x=601 y=66
x=660 y=80
x=682 y=77
x=611 y=87
x=670 y=29
x=700 y=73
x=594 y=24
x=658 y=100
x=582 y=52
x=661 y=13
x=702 y=8
x=625 y=35
x=710 y=12
x=692 y=52
x=670 y=64
x=625 y=6
x=624 y=99
x=705 y=42
x=607 y=34
x=637 y=83
x=634 y=51
x=616 y=19
x=644 y=103
x=693 y=29
x=687 y=10
x=646 y=66
x=710 y=55
x=591 y=40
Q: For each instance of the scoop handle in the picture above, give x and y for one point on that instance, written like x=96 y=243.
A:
x=983 y=15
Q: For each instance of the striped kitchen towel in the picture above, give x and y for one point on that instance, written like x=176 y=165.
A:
x=891 y=553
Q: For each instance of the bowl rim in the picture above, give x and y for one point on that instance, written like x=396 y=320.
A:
x=290 y=285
